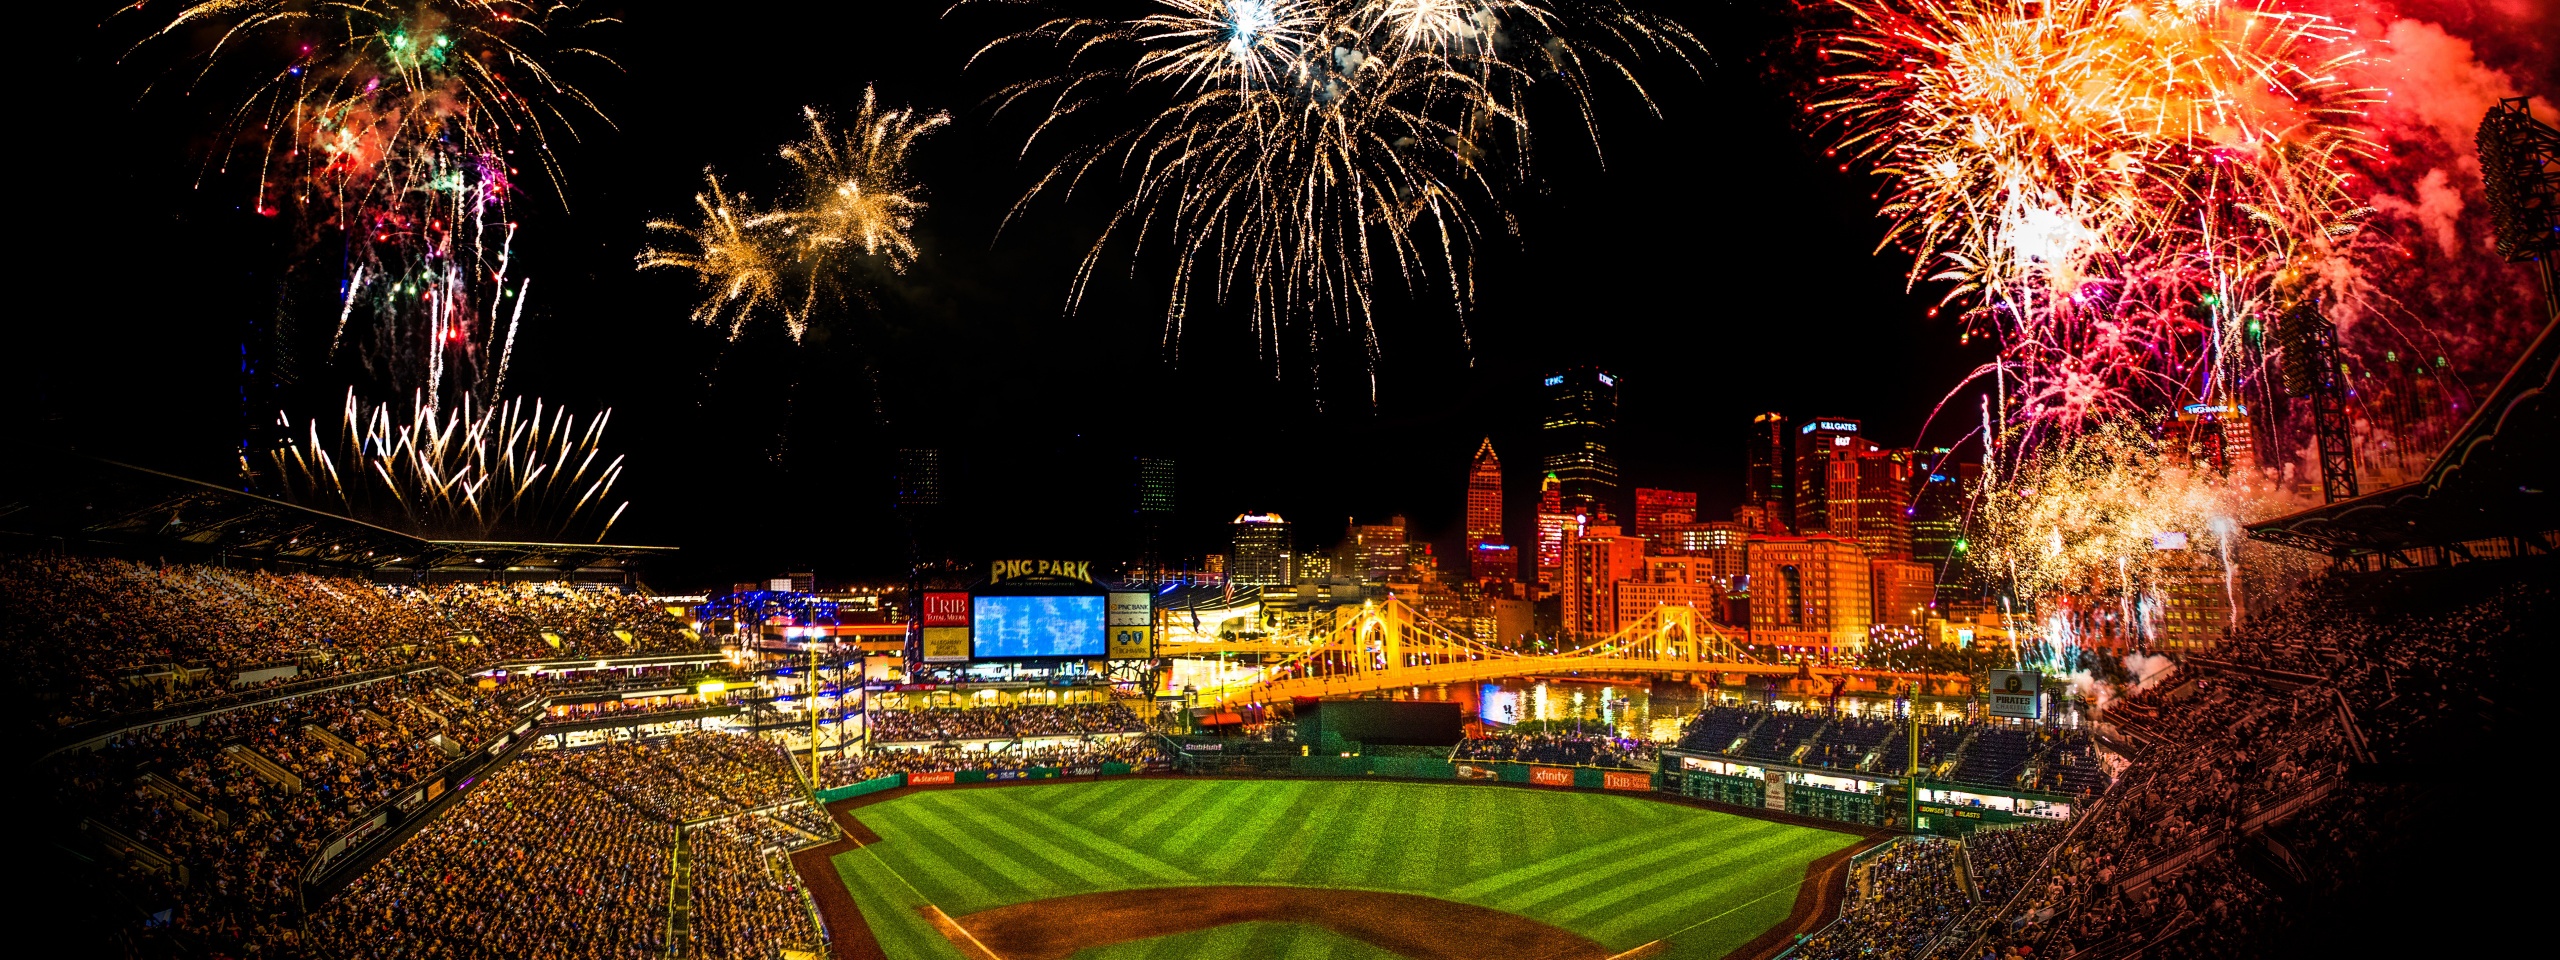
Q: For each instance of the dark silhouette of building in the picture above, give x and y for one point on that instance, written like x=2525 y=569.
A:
x=1153 y=486
x=1765 y=475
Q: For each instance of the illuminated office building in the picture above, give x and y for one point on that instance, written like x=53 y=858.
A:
x=1581 y=418
x=1810 y=592
x=1818 y=442
x=1594 y=564
x=1484 y=518
x=1657 y=511
x=1262 y=552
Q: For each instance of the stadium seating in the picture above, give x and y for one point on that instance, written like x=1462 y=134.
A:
x=96 y=638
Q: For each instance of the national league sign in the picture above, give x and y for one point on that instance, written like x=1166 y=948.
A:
x=2016 y=693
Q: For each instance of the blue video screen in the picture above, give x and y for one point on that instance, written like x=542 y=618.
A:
x=1069 y=626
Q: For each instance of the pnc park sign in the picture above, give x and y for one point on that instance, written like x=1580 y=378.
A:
x=1080 y=571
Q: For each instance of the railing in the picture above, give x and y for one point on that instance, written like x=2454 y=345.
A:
x=1848 y=894
x=411 y=802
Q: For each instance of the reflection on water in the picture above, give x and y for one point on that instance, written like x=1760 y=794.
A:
x=1638 y=708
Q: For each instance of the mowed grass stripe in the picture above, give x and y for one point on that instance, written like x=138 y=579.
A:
x=889 y=909
x=1682 y=906
x=1598 y=851
x=1094 y=844
x=1224 y=811
x=1608 y=888
x=1324 y=858
x=1116 y=812
x=1069 y=803
x=1280 y=808
x=1574 y=887
x=1190 y=794
x=987 y=852
x=943 y=870
x=992 y=817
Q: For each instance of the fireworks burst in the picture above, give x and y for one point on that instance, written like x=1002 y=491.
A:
x=2112 y=188
x=856 y=198
x=2103 y=523
x=1305 y=147
x=398 y=128
x=513 y=469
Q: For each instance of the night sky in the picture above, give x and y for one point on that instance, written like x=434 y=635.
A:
x=1719 y=263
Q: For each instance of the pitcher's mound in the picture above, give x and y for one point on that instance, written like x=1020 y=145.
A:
x=1423 y=928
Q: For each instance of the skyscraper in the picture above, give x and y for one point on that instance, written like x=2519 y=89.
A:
x=1581 y=416
x=919 y=477
x=1262 y=552
x=1153 y=505
x=1870 y=499
x=1484 y=516
x=1937 y=518
x=1555 y=526
x=1765 y=480
x=1818 y=442
x=1384 y=553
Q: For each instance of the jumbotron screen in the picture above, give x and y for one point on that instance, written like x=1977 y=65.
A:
x=1054 y=626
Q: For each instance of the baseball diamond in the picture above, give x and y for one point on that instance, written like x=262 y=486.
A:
x=1131 y=869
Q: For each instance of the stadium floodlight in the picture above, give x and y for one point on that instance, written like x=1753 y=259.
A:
x=2520 y=169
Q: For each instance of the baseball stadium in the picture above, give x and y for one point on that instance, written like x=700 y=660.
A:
x=1281 y=480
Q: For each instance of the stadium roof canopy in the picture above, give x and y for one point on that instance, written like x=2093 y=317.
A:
x=95 y=504
x=2495 y=480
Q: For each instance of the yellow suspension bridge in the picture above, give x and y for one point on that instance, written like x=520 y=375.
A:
x=1382 y=645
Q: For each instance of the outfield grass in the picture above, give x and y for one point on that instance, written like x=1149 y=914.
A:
x=1617 y=869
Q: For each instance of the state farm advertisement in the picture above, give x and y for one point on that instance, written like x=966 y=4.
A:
x=1551 y=776
x=938 y=776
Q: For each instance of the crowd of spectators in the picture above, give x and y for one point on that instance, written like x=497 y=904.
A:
x=945 y=724
x=1137 y=751
x=1901 y=901
x=746 y=897
x=569 y=854
x=1562 y=749
x=1991 y=753
x=534 y=864
x=2237 y=808
x=691 y=777
x=99 y=637
x=194 y=793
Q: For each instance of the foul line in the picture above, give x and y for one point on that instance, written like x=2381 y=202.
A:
x=1728 y=912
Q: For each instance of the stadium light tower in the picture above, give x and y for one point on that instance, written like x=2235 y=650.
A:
x=2520 y=172
x=2310 y=345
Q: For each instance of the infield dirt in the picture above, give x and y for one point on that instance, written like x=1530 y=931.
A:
x=1423 y=928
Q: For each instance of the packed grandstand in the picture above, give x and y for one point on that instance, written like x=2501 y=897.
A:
x=230 y=818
